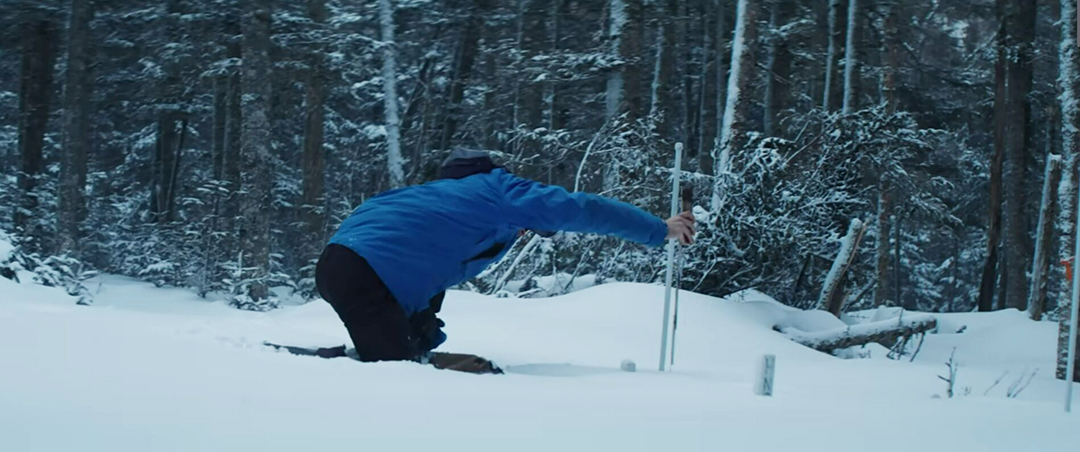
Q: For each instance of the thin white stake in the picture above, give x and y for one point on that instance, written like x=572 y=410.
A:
x=675 y=316
x=675 y=175
x=686 y=205
x=1070 y=362
x=763 y=383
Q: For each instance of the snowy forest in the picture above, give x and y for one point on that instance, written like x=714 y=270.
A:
x=215 y=145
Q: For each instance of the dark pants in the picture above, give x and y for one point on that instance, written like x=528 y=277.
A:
x=377 y=324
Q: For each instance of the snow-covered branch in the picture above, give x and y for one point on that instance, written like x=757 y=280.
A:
x=884 y=331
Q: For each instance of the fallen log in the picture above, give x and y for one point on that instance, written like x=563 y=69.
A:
x=885 y=331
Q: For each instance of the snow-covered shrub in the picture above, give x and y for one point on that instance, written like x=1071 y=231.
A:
x=31 y=216
x=240 y=292
x=61 y=271
x=67 y=272
x=238 y=286
x=245 y=302
x=622 y=161
x=187 y=252
x=9 y=265
x=782 y=206
x=777 y=214
x=152 y=253
x=8 y=200
x=305 y=284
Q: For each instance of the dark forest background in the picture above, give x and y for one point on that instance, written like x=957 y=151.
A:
x=216 y=144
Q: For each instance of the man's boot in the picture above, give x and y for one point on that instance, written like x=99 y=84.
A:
x=463 y=363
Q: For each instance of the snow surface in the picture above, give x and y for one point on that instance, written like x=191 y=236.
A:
x=150 y=368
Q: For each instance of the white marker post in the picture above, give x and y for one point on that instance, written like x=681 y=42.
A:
x=675 y=176
x=1070 y=362
x=763 y=383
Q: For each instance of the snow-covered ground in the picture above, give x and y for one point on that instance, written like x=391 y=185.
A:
x=149 y=369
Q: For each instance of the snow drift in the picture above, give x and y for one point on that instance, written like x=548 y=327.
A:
x=161 y=369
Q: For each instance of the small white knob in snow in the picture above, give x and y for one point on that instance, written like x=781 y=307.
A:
x=628 y=365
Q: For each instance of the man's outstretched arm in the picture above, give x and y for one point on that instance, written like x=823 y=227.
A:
x=533 y=205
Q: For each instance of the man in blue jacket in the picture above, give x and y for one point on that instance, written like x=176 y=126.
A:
x=388 y=266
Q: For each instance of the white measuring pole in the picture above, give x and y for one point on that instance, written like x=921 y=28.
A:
x=766 y=371
x=675 y=176
x=677 y=284
x=1070 y=361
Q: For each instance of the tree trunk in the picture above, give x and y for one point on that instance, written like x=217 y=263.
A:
x=706 y=159
x=217 y=144
x=625 y=95
x=213 y=243
x=663 y=107
x=1003 y=281
x=311 y=204
x=1019 y=141
x=167 y=150
x=418 y=94
x=556 y=108
x=832 y=293
x=487 y=129
x=76 y=131
x=630 y=99
x=172 y=126
x=850 y=59
x=736 y=127
x=174 y=171
x=394 y=161
x=685 y=57
x=993 y=234
x=156 y=164
x=418 y=106
x=772 y=42
x=616 y=22
x=1063 y=347
x=661 y=74
x=463 y=63
x=706 y=103
x=1069 y=80
x=529 y=114
x=777 y=63
x=1041 y=263
x=891 y=42
x=881 y=248
x=689 y=105
x=233 y=126
x=897 y=289
x=832 y=58
x=255 y=149
x=955 y=287
x=35 y=89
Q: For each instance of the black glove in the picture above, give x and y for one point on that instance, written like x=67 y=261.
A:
x=435 y=303
x=427 y=330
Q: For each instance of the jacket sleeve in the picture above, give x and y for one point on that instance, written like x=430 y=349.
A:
x=533 y=205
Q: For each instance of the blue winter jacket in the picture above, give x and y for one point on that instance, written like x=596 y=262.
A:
x=423 y=239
